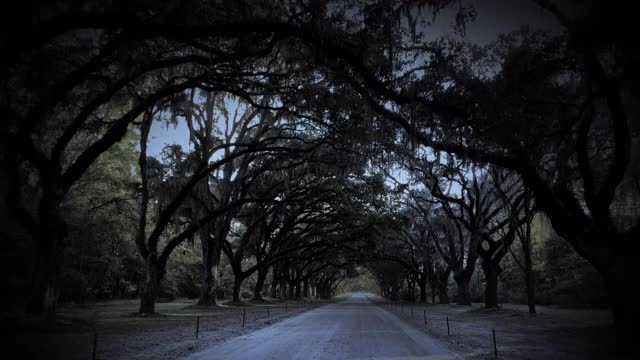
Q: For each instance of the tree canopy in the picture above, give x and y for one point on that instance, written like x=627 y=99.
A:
x=323 y=137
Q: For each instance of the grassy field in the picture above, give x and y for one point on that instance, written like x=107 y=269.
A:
x=553 y=333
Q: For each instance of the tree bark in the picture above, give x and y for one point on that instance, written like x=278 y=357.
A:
x=491 y=285
x=275 y=278
x=443 y=295
x=525 y=241
x=215 y=271
x=394 y=291
x=433 y=291
x=274 y=289
x=530 y=281
x=237 y=283
x=619 y=276
x=215 y=284
x=48 y=256
x=412 y=290
x=207 y=287
x=43 y=297
x=262 y=276
x=283 y=289
x=151 y=286
x=213 y=251
x=422 y=283
x=464 y=295
x=291 y=290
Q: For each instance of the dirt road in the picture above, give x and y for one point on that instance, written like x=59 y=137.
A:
x=352 y=329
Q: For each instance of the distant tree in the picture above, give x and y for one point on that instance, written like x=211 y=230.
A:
x=183 y=197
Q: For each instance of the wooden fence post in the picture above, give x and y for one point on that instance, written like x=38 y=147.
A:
x=448 y=331
x=244 y=315
x=495 y=346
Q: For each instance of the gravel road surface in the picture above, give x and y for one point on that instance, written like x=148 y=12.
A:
x=352 y=329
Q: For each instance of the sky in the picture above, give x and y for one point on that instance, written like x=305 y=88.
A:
x=161 y=135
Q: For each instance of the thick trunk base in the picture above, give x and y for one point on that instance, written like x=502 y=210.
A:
x=257 y=291
x=464 y=295
x=423 y=292
x=443 y=296
x=149 y=292
x=237 y=284
x=626 y=313
x=531 y=292
x=491 y=287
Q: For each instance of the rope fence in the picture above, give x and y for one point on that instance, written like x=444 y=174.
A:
x=430 y=322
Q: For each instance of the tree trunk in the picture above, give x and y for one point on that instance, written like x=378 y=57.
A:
x=274 y=289
x=275 y=279
x=614 y=255
x=237 y=283
x=491 y=285
x=412 y=290
x=305 y=290
x=283 y=289
x=443 y=295
x=422 y=283
x=207 y=290
x=43 y=297
x=298 y=290
x=530 y=281
x=394 y=291
x=464 y=295
x=48 y=257
x=215 y=284
x=211 y=253
x=618 y=277
x=323 y=290
x=262 y=276
x=531 y=291
x=529 y=276
x=441 y=284
x=215 y=271
x=149 y=292
x=433 y=291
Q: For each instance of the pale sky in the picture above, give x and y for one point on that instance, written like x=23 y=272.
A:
x=160 y=136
